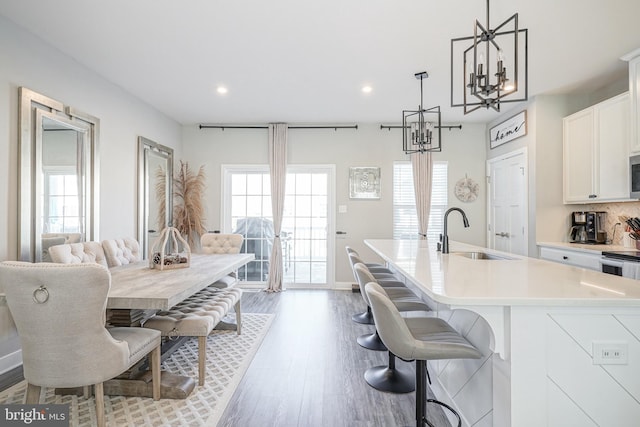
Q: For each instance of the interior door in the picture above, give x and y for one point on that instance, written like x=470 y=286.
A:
x=507 y=204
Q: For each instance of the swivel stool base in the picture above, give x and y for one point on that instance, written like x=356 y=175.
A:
x=389 y=378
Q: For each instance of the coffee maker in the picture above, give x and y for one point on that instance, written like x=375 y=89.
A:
x=578 y=230
x=596 y=222
x=588 y=227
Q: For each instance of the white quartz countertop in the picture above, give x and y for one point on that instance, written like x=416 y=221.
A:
x=519 y=281
x=580 y=247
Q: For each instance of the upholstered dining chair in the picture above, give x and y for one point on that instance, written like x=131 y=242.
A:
x=218 y=243
x=121 y=251
x=59 y=312
x=78 y=253
x=52 y=239
x=48 y=242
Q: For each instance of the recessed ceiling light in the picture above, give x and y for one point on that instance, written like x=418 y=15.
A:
x=222 y=90
x=367 y=89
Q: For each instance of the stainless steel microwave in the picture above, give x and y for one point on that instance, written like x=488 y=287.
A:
x=634 y=176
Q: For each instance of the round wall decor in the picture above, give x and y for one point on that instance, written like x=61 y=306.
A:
x=466 y=190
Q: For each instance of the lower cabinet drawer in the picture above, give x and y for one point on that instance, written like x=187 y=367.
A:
x=578 y=259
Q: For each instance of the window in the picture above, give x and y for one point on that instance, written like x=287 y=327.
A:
x=62 y=209
x=405 y=221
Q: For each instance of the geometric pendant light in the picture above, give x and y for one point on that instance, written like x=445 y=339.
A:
x=490 y=67
x=422 y=127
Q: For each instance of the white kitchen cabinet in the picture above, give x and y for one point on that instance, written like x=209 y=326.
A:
x=596 y=153
x=634 y=93
x=570 y=257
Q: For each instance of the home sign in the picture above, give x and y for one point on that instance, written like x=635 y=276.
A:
x=510 y=129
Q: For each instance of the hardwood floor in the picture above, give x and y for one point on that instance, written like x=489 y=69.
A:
x=11 y=378
x=309 y=369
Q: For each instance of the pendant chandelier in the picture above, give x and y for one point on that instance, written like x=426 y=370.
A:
x=421 y=128
x=493 y=68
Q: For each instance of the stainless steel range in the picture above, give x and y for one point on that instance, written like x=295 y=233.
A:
x=621 y=263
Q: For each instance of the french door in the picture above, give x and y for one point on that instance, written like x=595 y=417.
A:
x=306 y=226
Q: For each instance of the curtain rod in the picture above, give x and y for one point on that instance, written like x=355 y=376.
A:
x=406 y=127
x=223 y=127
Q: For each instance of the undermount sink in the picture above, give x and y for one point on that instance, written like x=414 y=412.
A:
x=481 y=255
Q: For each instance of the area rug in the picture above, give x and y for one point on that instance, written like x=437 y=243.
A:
x=228 y=357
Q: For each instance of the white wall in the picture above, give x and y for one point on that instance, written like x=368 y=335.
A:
x=367 y=146
x=551 y=214
x=548 y=215
x=28 y=61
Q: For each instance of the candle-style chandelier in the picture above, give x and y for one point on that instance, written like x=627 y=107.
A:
x=418 y=126
x=483 y=85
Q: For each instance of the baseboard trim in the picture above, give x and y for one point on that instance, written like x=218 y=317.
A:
x=337 y=286
x=10 y=361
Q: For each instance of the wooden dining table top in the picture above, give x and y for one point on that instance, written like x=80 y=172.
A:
x=136 y=286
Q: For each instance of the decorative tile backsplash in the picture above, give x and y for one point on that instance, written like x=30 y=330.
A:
x=614 y=211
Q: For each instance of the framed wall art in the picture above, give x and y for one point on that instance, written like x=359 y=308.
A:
x=364 y=183
x=510 y=129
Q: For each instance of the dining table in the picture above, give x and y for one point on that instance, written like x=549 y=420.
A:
x=137 y=286
x=138 y=291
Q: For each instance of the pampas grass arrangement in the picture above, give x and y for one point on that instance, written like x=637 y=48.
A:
x=188 y=212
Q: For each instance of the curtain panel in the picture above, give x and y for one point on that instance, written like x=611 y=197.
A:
x=422 y=165
x=278 y=173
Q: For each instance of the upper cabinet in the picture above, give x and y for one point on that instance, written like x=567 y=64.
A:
x=596 y=153
x=634 y=93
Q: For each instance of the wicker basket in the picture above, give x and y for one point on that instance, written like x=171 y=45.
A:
x=180 y=255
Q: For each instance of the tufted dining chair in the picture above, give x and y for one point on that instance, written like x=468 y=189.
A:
x=78 y=253
x=121 y=251
x=217 y=243
x=59 y=312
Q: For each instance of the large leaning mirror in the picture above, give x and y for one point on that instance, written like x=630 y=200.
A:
x=58 y=195
x=155 y=182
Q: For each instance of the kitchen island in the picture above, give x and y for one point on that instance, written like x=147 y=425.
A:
x=562 y=342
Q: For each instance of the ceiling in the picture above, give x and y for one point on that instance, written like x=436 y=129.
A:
x=299 y=61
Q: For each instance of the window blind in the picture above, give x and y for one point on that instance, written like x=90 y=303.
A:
x=405 y=220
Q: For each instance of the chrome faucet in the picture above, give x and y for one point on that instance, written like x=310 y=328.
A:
x=445 y=237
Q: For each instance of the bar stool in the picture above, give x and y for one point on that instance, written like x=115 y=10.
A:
x=403 y=298
x=418 y=339
x=388 y=377
x=383 y=276
x=377 y=270
x=350 y=250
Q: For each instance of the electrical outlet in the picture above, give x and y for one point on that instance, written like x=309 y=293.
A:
x=610 y=352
